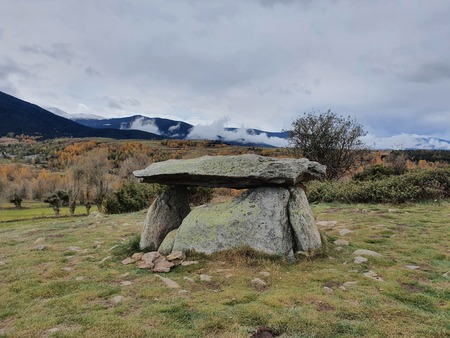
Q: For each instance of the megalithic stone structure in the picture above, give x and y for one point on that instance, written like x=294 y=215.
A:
x=273 y=216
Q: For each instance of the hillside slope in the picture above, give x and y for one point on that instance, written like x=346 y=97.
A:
x=21 y=117
x=156 y=125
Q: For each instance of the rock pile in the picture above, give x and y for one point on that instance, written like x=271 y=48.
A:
x=273 y=216
x=156 y=262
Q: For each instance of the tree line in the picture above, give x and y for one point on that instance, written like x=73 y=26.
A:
x=86 y=179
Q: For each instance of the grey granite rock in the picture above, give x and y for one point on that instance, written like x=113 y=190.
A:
x=164 y=215
x=258 y=219
x=306 y=234
x=167 y=244
x=242 y=171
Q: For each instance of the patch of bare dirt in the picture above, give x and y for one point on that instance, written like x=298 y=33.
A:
x=411 y=287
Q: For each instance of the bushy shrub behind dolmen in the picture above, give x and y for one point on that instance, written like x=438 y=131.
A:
x=133 y=196
x=413 y=186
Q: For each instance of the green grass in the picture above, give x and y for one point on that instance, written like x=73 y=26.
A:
x=34 y=209
x=73 y=291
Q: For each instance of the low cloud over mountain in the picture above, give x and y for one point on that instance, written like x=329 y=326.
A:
x=218 y=131
x=144 y=124
x=406 y=141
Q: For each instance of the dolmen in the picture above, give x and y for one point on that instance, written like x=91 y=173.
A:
x=272 y=216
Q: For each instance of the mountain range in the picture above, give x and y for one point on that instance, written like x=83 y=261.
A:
x=21 y=117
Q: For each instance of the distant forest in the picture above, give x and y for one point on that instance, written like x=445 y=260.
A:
x=426 y=155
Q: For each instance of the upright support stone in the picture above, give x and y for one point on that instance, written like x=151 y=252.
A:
x=258 y=219
x=164 y=215
x=306 y=234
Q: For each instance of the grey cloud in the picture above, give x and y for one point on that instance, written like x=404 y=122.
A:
x=91 y=71
x=56 y=51
x=430 y=73
x=121 y=103
x=7 y=87
x=293 y=88
x=9 y=68
x=276 y=2
x=259 y=62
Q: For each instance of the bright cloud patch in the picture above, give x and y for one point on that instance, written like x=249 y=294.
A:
x=145 y=124
x=217 y=131
x=175 y=127
x=406 y=141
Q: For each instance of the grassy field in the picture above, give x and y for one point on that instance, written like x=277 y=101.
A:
x=35 y=209
x=70 y=288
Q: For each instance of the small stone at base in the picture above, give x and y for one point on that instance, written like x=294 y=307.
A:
x=128 y=260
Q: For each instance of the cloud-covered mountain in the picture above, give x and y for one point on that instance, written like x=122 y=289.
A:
x=406 y=141
x=182 y=130
x=248 y=136
x=21 y=117
x=159 y=126
x=75 y=116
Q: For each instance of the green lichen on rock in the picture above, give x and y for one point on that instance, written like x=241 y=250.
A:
x=258 y=219
x=167 y=244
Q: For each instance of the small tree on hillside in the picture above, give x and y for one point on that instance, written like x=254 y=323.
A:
x=98 y=177
x=74 y=185
x=329 y=139
x=132 y=163
x=16 y=192
x=57 y=200
x=16 y=199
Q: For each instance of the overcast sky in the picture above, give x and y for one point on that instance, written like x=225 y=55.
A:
x=255 y=63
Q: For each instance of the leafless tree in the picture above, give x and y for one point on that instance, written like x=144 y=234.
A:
x=98 y=175
x=329 y=139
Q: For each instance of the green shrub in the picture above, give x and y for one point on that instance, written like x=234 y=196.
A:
x=200 y=195
x=374 y=173
x=131 y=196
x=417 y=185
x=134 y=196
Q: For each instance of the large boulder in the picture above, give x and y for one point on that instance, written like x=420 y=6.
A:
x=259 y=219
x=301 y=218
x=164 y=215
x=243 y=171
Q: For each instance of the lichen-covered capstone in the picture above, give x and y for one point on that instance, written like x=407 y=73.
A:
x=240 y=172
